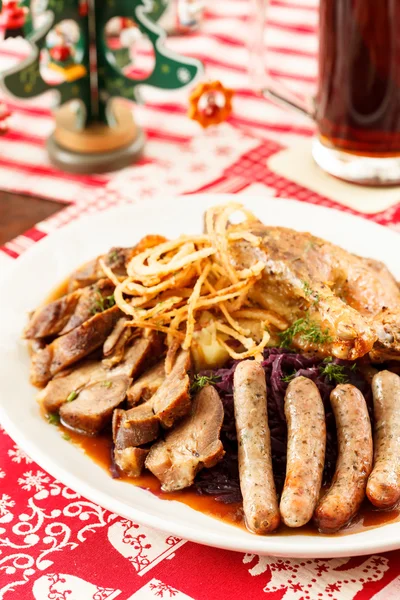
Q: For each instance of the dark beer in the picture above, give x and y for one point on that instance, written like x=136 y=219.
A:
x=358 y=101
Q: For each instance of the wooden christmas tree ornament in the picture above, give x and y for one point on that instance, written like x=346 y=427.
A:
x=210 y=103
x=95 y=130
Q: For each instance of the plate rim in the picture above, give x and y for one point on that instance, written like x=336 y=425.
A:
x=255 y=544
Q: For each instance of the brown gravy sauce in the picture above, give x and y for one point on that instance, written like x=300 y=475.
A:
x=98 y=449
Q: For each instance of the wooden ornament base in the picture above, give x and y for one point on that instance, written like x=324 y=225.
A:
x=98 y=148
x=83 y=164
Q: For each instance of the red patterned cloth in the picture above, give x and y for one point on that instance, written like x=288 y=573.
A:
x=54 y=544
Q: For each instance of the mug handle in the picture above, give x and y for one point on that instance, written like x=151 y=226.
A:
x=258 y=66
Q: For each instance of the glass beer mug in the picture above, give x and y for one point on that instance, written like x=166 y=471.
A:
x=357 y=104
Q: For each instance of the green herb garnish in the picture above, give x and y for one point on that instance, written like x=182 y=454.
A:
x=200 y=381
x=112 y=256
x=334 y=372
x=288 y=378
x=66 y=437
x=53 y=418
x=72 y=396
x=102 y=303
x=106 y=384
x=310 y=292
x=307 y=330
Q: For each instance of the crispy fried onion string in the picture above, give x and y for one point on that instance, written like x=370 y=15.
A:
x=169 y=285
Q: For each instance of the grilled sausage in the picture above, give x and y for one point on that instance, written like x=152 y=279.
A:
x=260 y=503
x=383 y=488
x=354 y=462
x=305 y=418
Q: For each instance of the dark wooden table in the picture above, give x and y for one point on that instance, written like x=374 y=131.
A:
x=19 y=213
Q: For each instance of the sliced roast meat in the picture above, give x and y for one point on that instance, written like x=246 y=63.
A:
x=73 y=346
x=114 y=347
x=117 y=259
x=35 y=345
x=67 y=382
x=50 y=319
x=146 y=386
x=135 y=427
x=137 y=354
x=93 y=299
x=172 y=401
x=192 y=445
x=91 y=271
x=114 y=339
x=131 y=460
x=86 y=275
x=116 y=419
x=74 y=379
x=92 y=410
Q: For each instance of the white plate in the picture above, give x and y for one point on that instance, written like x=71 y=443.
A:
x=51 y=260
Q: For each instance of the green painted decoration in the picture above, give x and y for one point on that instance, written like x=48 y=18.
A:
x=70 y=59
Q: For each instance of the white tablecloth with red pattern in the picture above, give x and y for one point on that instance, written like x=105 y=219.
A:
x=56 y=545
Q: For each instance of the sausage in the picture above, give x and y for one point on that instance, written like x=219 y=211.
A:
x=305 y=416
x=260 y=502
x=354 y=462
x=383 y=488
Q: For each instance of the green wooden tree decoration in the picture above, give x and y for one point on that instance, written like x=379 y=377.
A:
x=95 y=86
x=25 y=80
x=157 y=9
x=170 y=72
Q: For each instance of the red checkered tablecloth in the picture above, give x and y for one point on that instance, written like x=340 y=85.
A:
x=54 y=544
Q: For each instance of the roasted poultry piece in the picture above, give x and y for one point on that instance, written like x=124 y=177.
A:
x=334 y=302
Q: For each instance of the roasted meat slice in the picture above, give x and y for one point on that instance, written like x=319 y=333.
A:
x=117 y=259
x=69 y=311
x=192 y=445
x=130 y=429
x=387 y=326
x=50 y=319
x=92 y=410
x=73 y=346
x=172 y=401
x=131 y=460
x=330 y=296
x=115 y=344
x=91 y=271
x=67 y=382
x=136 y=354
x=146 y=386
x=74 y=379
x=93 y=299
x=135 y=427
x=116 y=337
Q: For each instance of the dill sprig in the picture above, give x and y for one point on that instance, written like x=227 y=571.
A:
x=112 y=256
x=306 y=330
x=288 y=378
x=334 y=372
x=201 y=381
x=102 y=303
x=307 y=288
x=310 y=293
